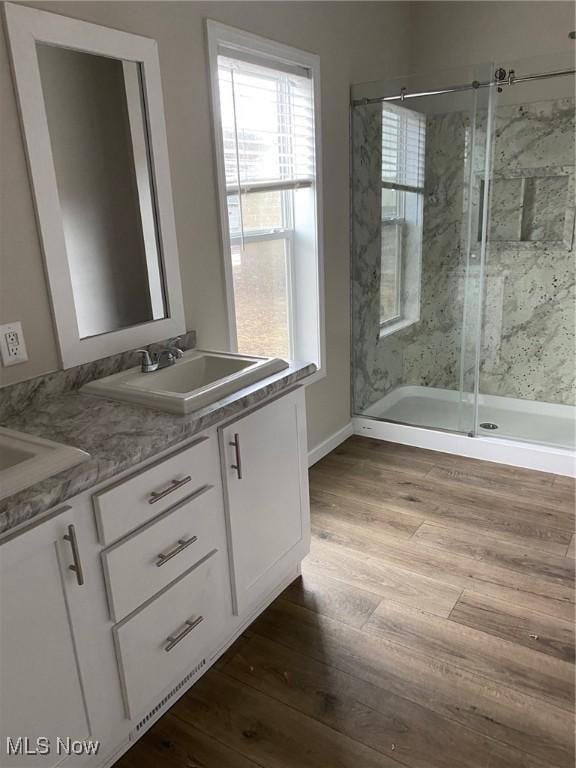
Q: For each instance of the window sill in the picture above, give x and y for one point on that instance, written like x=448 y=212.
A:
x=399 y=325
x=319 y=374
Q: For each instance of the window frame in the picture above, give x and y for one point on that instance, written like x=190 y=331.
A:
x=247 y=43
x=398 y=220
x=399 y=272
x=407 y=315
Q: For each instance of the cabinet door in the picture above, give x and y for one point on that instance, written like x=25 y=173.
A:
x=41 y=693
x=266 y=476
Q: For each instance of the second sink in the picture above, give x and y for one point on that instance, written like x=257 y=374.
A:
x=26 y=459
x=198 y=379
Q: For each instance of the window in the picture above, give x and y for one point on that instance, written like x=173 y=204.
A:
x=265 y=109
x=403 y=141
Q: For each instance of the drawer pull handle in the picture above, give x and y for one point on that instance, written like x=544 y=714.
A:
x=77 y=567
x=174 y=485
x=180 y=547
x=173 y=640
x=238 y=466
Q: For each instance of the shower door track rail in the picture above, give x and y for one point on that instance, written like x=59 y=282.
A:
x=509 y=78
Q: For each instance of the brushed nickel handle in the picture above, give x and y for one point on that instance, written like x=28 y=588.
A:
x=238 y=466
x=174 y=485
x=77 y=566
x=180 y=547
x=173 y=640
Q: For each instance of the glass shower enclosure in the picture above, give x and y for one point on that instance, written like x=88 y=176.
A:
x=463 y=303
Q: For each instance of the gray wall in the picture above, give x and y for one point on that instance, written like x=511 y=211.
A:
x=356 y=41
x=453 y=34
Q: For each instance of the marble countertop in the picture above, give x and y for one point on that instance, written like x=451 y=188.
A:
x=118 y=436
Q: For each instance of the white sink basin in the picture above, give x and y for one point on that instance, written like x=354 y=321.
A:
x=198 y=379
x=26 y=459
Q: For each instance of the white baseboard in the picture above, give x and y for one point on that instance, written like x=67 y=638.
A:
x=330 y=443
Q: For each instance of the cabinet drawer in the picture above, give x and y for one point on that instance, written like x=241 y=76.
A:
x=139 y=566
x=157 y=645
x=136 y=500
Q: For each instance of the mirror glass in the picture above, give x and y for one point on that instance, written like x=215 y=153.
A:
x=98 y=132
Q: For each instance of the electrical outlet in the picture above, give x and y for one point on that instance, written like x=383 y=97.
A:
x=12 y=344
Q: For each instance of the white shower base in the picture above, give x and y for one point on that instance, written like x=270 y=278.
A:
x=530 y=434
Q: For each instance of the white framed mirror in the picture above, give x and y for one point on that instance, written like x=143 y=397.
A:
x=93 y=120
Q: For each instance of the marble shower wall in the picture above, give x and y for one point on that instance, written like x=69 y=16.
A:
x=528 y=341
x=528 y=335
x=372 y=375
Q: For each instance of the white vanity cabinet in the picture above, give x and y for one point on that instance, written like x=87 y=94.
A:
x=114 y=605
x=41 y=691
x=265 y=470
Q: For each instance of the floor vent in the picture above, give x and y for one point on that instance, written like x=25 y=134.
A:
x=156 y=711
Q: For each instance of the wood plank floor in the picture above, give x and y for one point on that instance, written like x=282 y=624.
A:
x=433 y=627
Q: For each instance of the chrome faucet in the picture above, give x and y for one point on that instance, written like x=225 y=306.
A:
x=162 y=359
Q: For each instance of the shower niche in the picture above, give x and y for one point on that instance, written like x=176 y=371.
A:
x=535 y=205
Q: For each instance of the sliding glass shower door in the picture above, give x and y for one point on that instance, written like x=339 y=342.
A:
x=463 y=286
x=417 y=185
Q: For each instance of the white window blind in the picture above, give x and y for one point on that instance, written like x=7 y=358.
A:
x=267 y=118
x=403 y=147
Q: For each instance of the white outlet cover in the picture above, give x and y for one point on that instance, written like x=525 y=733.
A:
x=12 y=351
